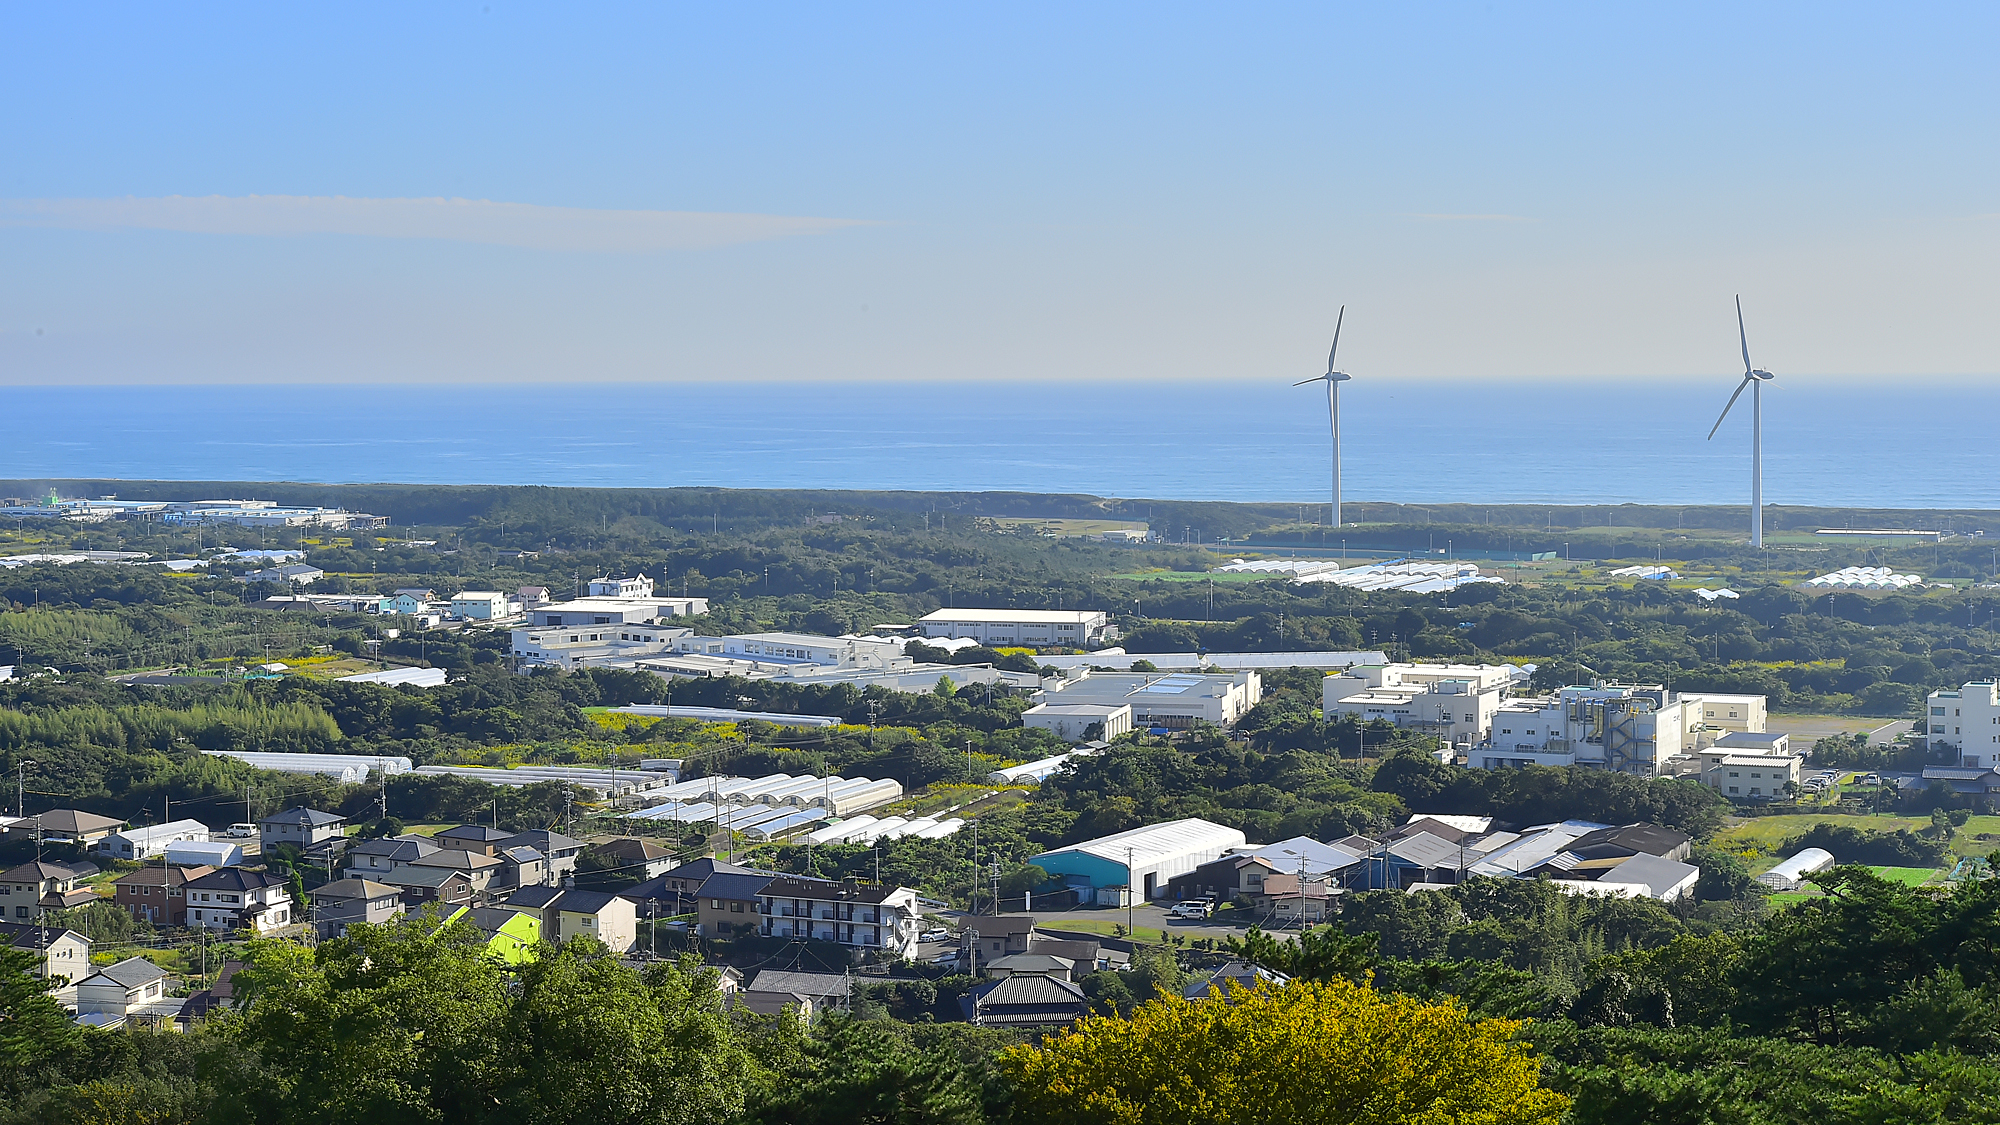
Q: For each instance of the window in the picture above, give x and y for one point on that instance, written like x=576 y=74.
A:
x=736 y=908
x=1732 y=789
x=715 y=904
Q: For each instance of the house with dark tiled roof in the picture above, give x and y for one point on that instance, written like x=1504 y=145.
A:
x=346 y=902
x=727 y=904
x=301 y=827
x=60 y=954
x=567 y=912
x=134 y=988
x=1026 y=1000
x=369 y=859
x=233 y=898
x=28 y=890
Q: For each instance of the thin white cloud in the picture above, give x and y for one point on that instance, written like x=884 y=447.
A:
x=457 y=220
x=1471 y=218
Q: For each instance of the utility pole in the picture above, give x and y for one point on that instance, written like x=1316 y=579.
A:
x=21 y=787
x=1131 y=934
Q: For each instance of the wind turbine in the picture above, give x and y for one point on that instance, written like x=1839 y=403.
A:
x=1333 y=379
x=1754 y=379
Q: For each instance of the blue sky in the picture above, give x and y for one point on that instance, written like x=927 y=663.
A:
x=956 y=192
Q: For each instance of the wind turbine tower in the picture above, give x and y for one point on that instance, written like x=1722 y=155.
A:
x=1755 y=380
x=1333 y=379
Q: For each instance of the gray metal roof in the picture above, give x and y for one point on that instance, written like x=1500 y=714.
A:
x=133 y=972
x=302 y=815
x=816 y=986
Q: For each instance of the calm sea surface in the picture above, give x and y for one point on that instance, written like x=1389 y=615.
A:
x=1892 y=445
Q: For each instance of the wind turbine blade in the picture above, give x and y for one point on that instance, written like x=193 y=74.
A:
x=1335 y=350
x=1732 y=402
x=1745 y=337
x=1314 y=379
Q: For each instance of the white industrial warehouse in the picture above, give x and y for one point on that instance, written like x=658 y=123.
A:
x=1142 y=859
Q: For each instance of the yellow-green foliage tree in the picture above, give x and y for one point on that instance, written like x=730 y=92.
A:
x=1333 y=1053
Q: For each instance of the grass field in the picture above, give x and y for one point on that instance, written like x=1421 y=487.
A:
x=1978 y=836
x=1095 y=926
x=1909 y=876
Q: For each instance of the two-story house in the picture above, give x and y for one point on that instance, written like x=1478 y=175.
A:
x=157 y=894
x=559 y=850
x=60 y=955
x=479 y=868
x=132 y=989
x=233 y=898
x=567 y=912
x=848 y=913
x=345 y=902
x=727 y=904
x=446 y=886
x=371 y=859
x=39 y=885
x=641 y=859
x=302 y=828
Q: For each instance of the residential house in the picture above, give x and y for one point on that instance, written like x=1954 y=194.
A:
x=217 y=996
x=989 y=938
x=1242 y=974
x=142 y=844
x=33 y=887
x=567 y=912
x=861 y=917
x=1087 y=956
x=1037 y=964
x=371 y=859
x=1026 y=1000
x=677 y=891
x=472 y=837
x=345 y=902
x=65 y=826
x=60 y=954
x=445 y=886
x=635 y=857
x=511 y=935
x=1239 y=876
x=132 y=989
x=157 y=894
x=727 y=904
x=773 y=990
x=232 y=898
x=521 y=866
x=1281 y=898
x=480 y=869
x=560 y=851
x=302 y=828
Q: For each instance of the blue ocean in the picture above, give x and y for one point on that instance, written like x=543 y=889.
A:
x=1840 y=444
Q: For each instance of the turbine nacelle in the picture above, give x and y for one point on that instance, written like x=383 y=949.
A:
x=1329 y=377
